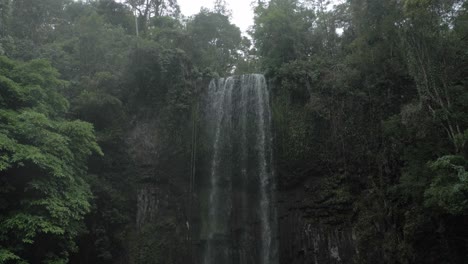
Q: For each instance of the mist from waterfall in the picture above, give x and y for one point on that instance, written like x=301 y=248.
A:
x=239 y=217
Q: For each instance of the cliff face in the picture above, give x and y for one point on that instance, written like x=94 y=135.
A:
x=314 y=219
x=314 y=208
x=161 y=221
x=309 y=233
x=315 y=196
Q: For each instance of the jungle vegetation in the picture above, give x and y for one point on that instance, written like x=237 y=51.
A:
x=370 y=93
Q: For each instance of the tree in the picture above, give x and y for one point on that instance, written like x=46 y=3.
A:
x=435 y=63
x=147 y=9
x=117 y=14
x=279 y=32
x=42 y=165
x=221 y=7
x=35 y=20
x=4 y=16
x=448 y=190
x=216 y=42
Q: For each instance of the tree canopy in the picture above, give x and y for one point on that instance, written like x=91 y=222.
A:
x=43 y=165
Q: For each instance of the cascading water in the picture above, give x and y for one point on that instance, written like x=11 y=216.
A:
x=239 y=217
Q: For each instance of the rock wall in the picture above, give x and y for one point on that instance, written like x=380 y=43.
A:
x=161 y=230
x=314 y=210
x=305 y=242
x=314 y=224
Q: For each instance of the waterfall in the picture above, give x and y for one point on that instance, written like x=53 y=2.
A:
x=238 y=216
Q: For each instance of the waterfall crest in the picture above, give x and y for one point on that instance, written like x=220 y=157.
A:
x=239 y=217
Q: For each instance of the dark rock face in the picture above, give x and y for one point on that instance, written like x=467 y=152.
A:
x=304 y=242
x=314 y=223
x=161 y=221
x=314 y=212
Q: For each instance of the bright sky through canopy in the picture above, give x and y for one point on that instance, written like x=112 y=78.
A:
x=242 y=12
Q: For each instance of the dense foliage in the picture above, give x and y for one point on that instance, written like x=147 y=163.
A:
x=43 y=165
x=135 y=79
x=371 y=95
x=374 y=93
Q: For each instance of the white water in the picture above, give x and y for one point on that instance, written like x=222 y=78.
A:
x=240 y=221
